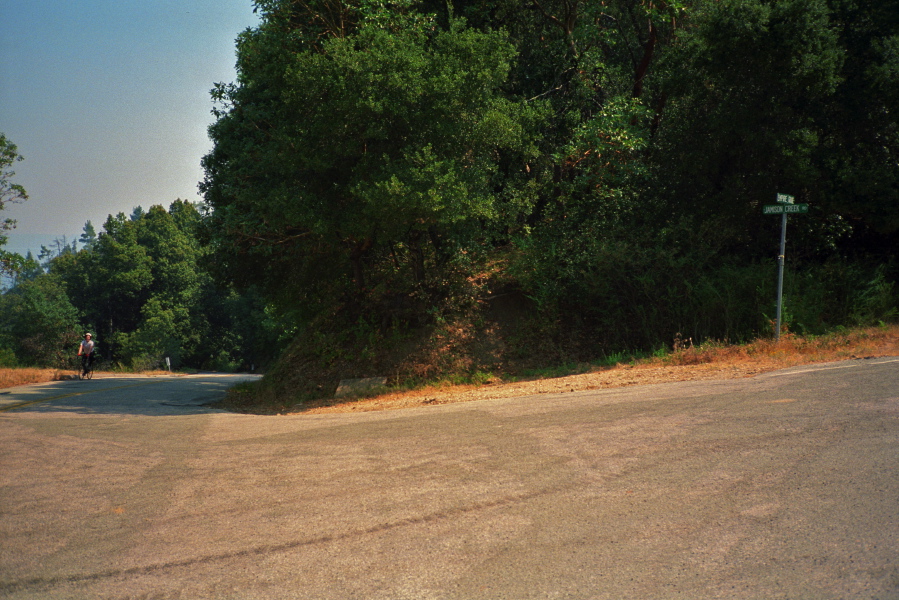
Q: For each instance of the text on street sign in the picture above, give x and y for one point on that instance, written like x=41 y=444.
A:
x=785 y=198
x=779 y=209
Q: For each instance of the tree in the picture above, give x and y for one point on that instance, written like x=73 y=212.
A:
x=160 y=335
x=113 y=280
x=359 y=167
x=39 y=322
x=31 y=268
x=137 y=213
x=859 y=153
x=169 y=324
x=790 y=96
x=633 y=146
x=9 y=192
x=88 y=237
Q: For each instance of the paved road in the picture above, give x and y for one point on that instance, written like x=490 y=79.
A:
x=123 y=395
x=785 y=485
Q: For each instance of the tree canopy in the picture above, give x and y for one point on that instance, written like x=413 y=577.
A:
x=142 y=287
x=358 y=163
x=609 y=160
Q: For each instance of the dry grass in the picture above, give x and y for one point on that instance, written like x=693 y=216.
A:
x=709 y=361
x=12 y=377
x=26 y=375
x=792 y=349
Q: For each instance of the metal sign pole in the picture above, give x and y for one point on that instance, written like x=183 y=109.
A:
x=780 y=271
x=785 y=205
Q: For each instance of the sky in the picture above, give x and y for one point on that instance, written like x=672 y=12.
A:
x=108 y=102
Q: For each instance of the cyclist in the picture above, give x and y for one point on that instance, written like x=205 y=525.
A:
x=86 y=352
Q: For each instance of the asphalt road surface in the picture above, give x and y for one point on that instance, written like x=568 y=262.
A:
x=785 y=485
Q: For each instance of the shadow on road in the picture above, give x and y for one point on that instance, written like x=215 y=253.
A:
x=150 y=396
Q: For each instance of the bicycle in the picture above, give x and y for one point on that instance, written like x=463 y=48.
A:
x=86 y=367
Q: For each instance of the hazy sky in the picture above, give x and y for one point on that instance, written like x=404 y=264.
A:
x=108 y=101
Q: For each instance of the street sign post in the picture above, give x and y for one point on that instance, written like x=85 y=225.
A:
x=784 y=206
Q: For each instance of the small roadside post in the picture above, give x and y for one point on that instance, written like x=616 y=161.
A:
x=785 y=205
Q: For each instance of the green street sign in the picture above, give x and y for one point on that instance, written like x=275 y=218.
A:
x=785 y=198
x=780 y=209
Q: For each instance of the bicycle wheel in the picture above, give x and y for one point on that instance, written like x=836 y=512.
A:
x=90 y=372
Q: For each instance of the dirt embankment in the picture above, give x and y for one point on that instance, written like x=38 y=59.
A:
x=708 y=362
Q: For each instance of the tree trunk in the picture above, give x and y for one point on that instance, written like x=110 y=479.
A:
x=648 y=50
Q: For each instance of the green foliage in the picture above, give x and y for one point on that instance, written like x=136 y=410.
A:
x=766 y=97
x=876 y=301
x=560 y=370
x=161 y=334
x=610 y=360
x=142 y=288
x=9 y=192
x=384 y=168
x=8 y=358
x=634 y=293
x=380 y=172
x=88 y=237
x=360 y=169
x=38 y=323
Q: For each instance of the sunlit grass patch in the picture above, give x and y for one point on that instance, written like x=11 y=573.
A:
x=14 y=376
x=839 y=344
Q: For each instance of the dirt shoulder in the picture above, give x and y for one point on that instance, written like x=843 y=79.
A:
x=714 y=362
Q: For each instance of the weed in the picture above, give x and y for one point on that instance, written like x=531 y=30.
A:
x=562 y=370
x=8 y=358
x=481 y=377
x=610 y=360
x=476 y=377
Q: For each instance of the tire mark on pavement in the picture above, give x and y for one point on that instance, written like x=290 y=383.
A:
x=49 y=582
